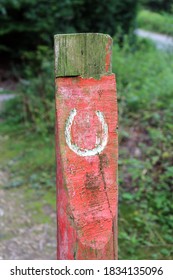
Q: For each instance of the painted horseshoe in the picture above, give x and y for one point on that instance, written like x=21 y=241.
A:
x=85 y=152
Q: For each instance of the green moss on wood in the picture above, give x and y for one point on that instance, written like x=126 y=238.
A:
x=85 y=55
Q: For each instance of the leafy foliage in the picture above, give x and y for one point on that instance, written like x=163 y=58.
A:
x=145 y=92
x=28 y=23
x=34 y=105
x=108 y=17
x=161 y=23
x=25 y=24
x=159 y=5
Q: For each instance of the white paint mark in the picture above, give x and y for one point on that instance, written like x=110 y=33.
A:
x=100 y=145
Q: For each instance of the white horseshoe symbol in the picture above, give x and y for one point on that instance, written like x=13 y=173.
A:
x=85 y=152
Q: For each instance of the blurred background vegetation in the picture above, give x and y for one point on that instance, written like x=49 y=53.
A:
x=145 y=97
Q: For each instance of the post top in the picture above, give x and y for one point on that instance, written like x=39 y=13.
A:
x=83 y=54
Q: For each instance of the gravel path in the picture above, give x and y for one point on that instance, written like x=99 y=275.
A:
x=163 y=42
x=20 y=237
x=4 y=97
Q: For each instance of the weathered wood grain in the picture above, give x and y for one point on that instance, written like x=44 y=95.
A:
x=86 y=55
x=86 y=148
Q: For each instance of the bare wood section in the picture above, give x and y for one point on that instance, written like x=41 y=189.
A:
x=85 y=55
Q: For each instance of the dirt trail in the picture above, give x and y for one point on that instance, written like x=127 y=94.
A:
x=21 y=237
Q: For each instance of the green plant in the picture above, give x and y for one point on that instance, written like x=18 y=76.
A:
x=162 y=23
x=145 y=95
x=158 y=5
x=25 y=24
x=33 y=106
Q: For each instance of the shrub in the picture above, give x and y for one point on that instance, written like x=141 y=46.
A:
x=25 y=24
x=161 y=23
x=34 y=106
x=159 y=5
x=145 y=95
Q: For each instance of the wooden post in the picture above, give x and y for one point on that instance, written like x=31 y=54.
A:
x=86 y=147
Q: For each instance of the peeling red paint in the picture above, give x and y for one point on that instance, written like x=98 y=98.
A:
x=86 y=185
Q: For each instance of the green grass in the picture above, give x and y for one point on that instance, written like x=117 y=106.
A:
x=30 y=161
x=5 y=91
x=161 y=23
x=29 y=151
x=36 y=200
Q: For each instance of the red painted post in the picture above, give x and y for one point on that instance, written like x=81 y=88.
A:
x=86 y=147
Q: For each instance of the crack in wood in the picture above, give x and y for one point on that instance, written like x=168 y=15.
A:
x=101 y=167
